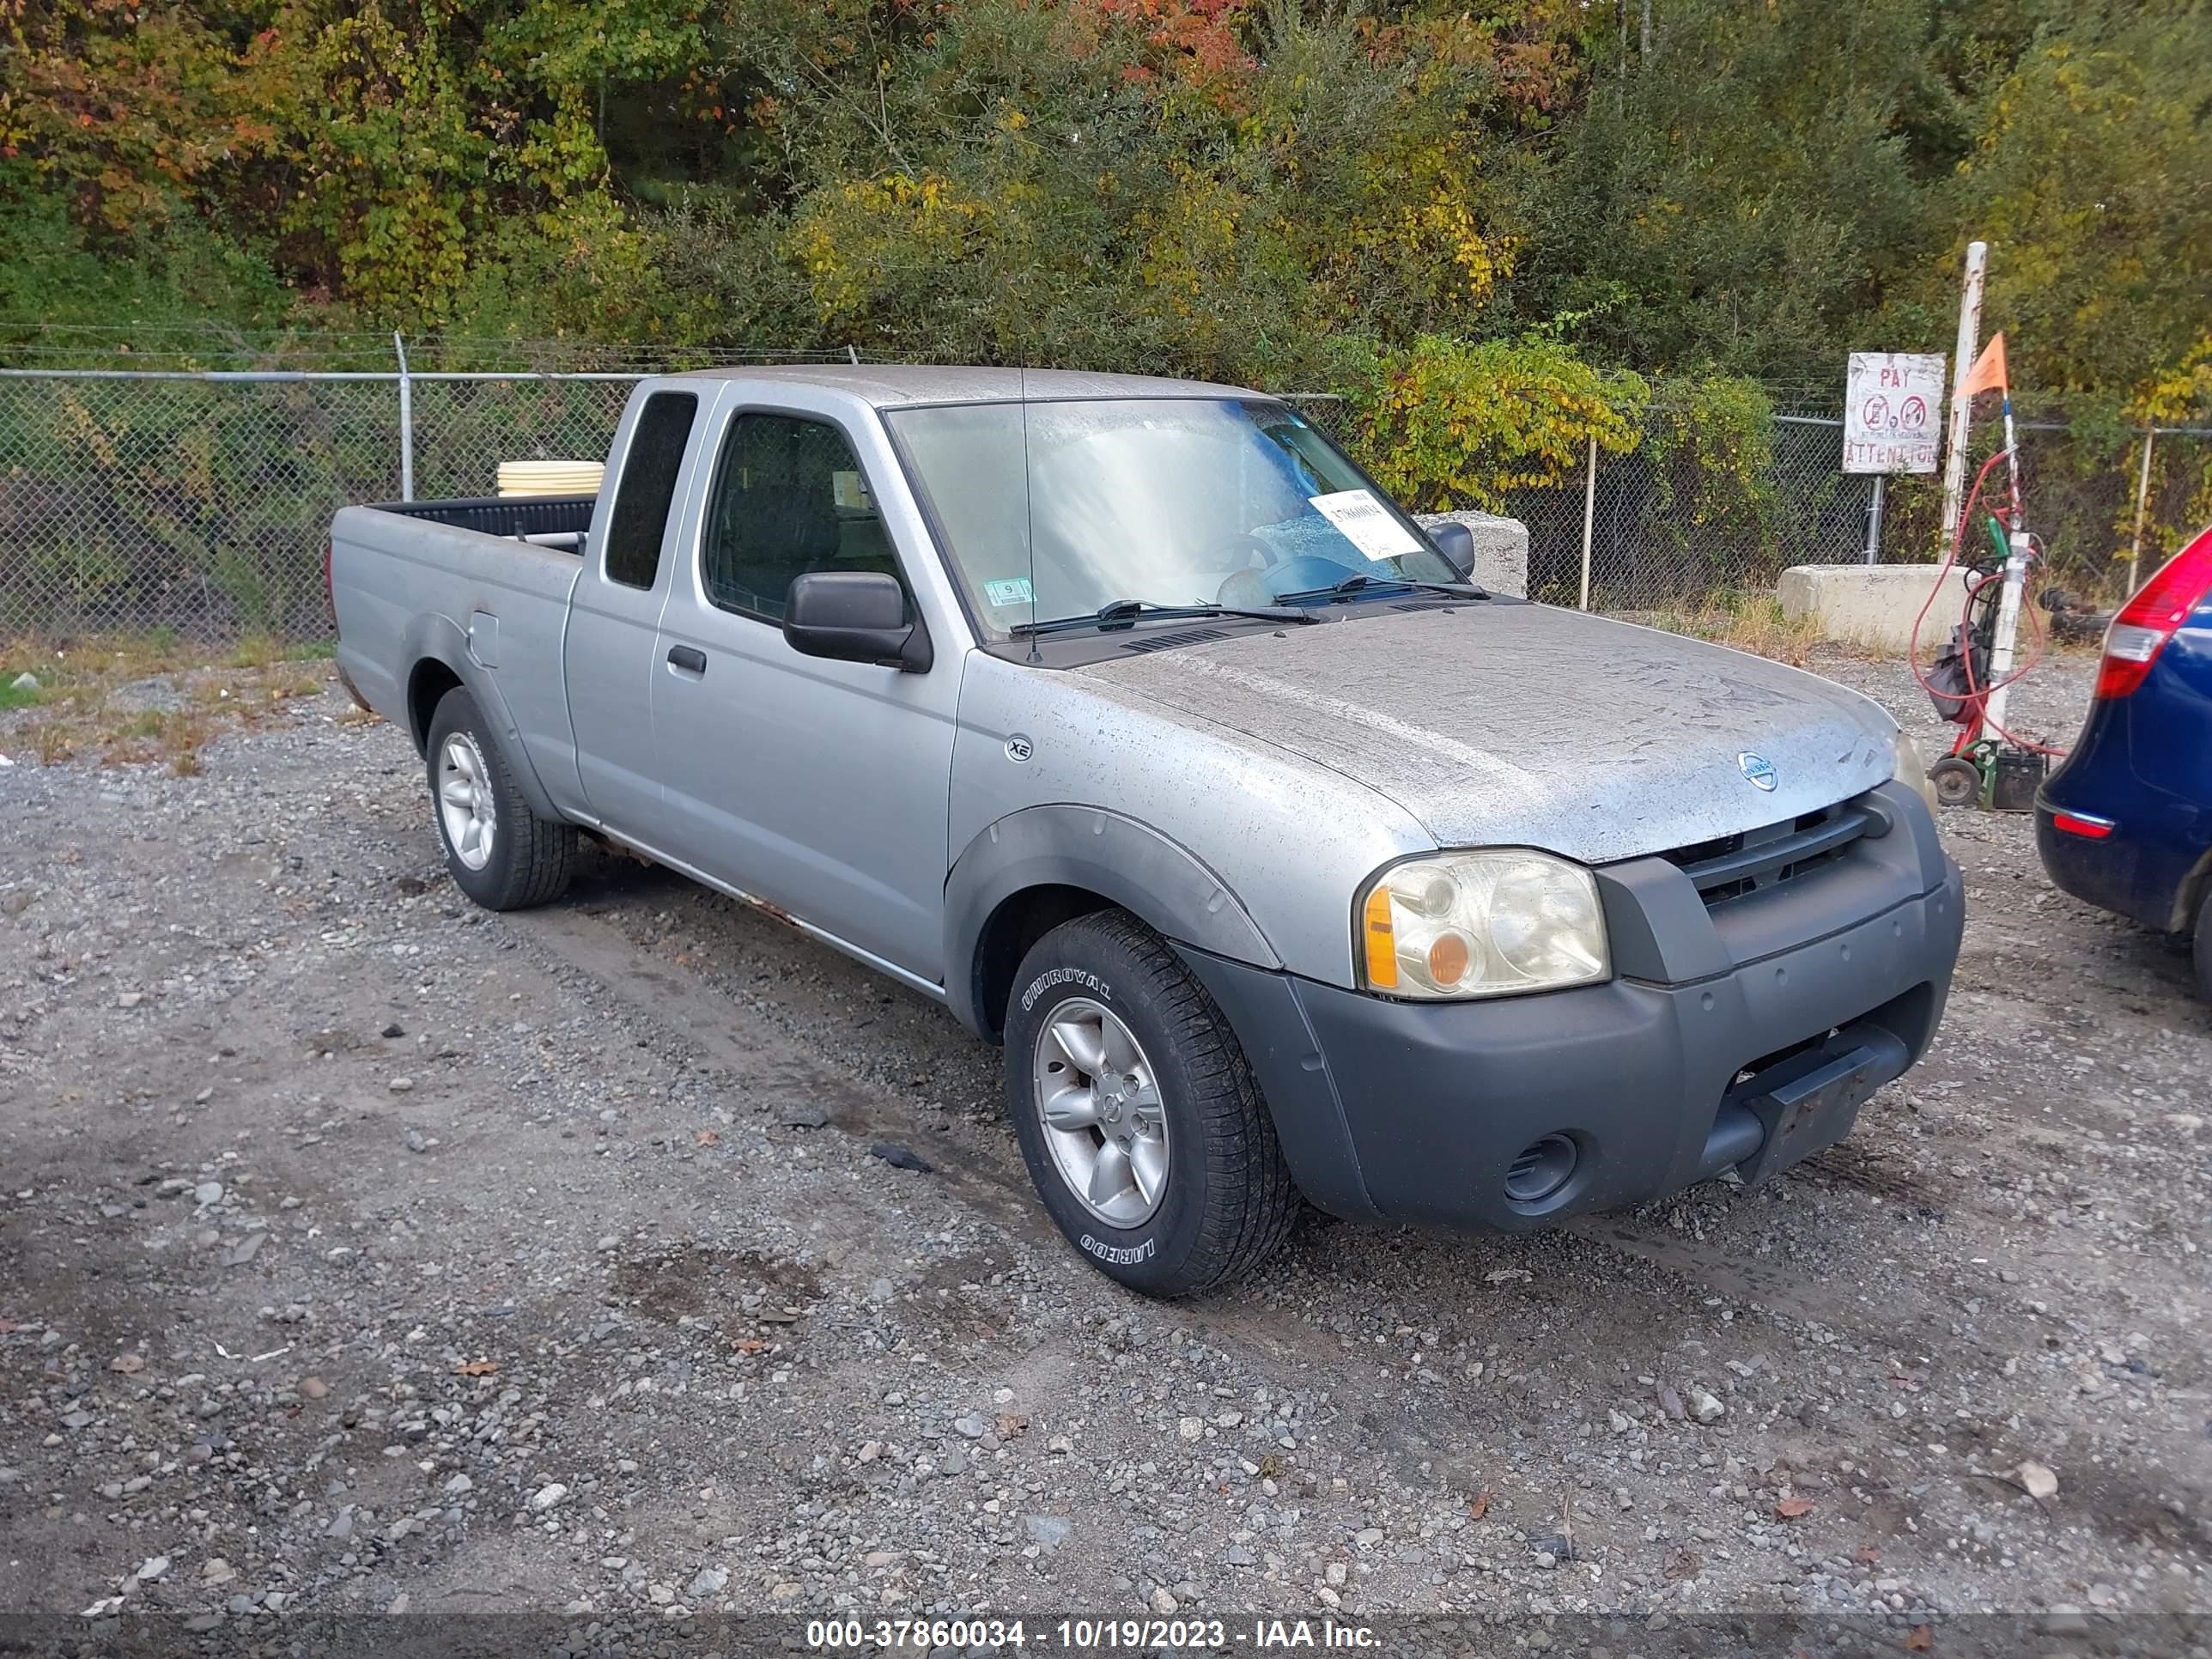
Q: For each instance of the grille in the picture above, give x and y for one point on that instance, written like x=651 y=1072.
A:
x=1168 y=641
x=1754 y=860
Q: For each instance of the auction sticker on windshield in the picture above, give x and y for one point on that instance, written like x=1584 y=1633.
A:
x=1012 y=590
x=1365 y=523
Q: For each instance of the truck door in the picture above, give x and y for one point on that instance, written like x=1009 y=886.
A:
x=820 y=787
x=608 y=659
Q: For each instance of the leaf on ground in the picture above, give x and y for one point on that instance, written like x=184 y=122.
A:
x=707 y=1137
x=1792 y=1506
x=1921 y=1640
x=1009 y=1425
x=127 y=1363
x=1477 y=1506
x=476 y=1368
x=1866 y=1555
x=751 y=1345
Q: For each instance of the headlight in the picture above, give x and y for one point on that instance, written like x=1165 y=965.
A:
x=1913 y=771
x=1480 y=925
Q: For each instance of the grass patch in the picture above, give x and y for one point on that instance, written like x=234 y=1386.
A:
x=1747 y=622
x=82 y=707
x=266 y=650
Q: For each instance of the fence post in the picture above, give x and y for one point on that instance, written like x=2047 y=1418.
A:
x=1590 y=519
x=1874 y=521
x=406 y=421
x=2143 y=503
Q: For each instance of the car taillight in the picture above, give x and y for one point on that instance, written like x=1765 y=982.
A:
x=2147 y=621
x=2082 y=824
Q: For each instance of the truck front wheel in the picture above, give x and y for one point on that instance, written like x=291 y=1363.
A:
x=1137 y=1113
x=500 y=853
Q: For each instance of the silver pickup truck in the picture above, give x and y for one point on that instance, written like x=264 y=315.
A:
x=1130 y=721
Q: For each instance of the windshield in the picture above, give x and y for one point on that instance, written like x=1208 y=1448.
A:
x=1170 y=501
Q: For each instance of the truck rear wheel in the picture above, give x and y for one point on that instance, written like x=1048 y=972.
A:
x=500 y=853
x=1138 y=1114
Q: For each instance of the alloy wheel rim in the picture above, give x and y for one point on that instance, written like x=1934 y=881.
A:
x=1098 y=1102
x=465 y=800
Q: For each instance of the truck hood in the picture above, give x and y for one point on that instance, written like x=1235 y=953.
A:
x=1527 y=726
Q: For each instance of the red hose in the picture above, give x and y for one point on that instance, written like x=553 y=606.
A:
x=1978 y=695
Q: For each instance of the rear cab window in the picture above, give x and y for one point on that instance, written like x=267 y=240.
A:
x=647 y=488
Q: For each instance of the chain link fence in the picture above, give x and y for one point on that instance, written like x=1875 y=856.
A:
x=1669 y=537
x=203 y=504
x=199 y=501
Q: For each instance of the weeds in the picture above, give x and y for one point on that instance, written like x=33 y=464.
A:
x=81 y=708
x=1747 y=622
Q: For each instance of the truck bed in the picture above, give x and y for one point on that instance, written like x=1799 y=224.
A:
x=503 y=515
x=455 y=580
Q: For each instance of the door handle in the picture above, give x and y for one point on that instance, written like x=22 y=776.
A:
x=685 y=658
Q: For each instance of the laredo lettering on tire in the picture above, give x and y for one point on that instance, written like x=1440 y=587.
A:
x=1136 y=1114
x=500 y=853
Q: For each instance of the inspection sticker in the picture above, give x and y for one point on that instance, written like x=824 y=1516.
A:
x=1366 y=523
x=1011 y=590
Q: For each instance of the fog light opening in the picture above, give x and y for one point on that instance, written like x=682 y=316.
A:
x=1541 y=1169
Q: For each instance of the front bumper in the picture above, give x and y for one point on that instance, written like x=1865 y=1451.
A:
x=1701 y=1056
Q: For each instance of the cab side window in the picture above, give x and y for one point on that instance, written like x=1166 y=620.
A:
x=788 y=500
x=648 y=488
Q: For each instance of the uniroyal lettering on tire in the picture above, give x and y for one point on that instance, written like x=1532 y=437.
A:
x=1083 y=981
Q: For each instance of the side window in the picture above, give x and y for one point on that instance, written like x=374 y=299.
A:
x=788 y=499
x=648 y=486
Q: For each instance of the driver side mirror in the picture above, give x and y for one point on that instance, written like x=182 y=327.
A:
x=855 y=616
x=1456 y=543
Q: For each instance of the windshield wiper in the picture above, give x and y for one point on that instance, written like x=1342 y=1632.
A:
x=1359 y=581
x=1123 y=613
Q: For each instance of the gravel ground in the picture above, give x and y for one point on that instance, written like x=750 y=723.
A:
x=360 y=1250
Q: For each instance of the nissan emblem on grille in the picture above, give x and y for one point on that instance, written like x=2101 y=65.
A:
x=1759 y=770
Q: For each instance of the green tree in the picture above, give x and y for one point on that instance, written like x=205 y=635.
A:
x=2091 y=177
x=1738 y=199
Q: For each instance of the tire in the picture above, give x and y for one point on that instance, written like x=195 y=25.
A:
x=1222 y=1200
x=529 y=859
x=1957 y=782
x=2204 y=948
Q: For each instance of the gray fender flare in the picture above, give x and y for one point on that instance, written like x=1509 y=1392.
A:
x=440 y=639
x=1159 y=883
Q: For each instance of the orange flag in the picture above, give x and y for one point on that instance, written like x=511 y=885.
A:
x=1988 y=370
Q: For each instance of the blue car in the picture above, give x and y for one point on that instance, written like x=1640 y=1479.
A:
x=2126 y=823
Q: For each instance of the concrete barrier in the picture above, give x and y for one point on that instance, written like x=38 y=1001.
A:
x=1872 y=605
x=1501 y=549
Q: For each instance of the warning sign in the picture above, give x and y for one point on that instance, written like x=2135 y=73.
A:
x=1893 y=411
